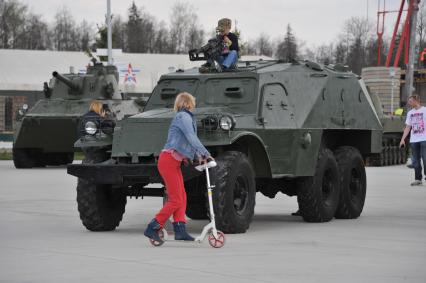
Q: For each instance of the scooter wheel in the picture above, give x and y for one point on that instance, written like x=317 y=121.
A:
x=162 y=233
x=219 y=242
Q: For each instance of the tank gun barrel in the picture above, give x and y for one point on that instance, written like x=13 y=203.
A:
x=72 y=85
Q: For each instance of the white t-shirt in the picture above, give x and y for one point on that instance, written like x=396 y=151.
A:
x=417 y=120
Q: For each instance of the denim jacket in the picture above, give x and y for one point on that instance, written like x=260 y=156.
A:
x=183 y=138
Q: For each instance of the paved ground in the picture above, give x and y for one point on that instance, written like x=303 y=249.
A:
x=42 y=239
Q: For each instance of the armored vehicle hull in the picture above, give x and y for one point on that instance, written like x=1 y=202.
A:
x=46 y=133
x=301 y=129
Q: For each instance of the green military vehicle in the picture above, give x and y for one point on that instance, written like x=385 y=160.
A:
x=393 y=129
x=298 y=128
x=45 y=134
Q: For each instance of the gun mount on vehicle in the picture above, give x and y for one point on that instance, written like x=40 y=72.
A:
x=210 y=51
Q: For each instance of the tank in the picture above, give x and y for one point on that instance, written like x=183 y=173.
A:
x=45 y=134
x=383 y=85
x=298 y=128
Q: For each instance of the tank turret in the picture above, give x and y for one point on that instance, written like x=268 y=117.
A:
x=75 y=87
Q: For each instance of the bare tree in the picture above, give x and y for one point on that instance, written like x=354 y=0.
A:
x=357 y=32
x=250 y=48
x=37 y=34
x=357 y=28
x=324 y=54
x=340 y=53
x=12 y=23
x=161 y=42
x=195 y=35
x=64 y=31
x=119 y=36
x=308 y=54
x=263 y=45
x=185 y=32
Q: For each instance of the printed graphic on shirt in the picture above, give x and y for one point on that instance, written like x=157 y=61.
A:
x=417 y=123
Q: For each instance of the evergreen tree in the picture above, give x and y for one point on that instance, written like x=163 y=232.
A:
x=288 y=49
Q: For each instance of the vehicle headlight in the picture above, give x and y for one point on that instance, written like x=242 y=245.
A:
x=226 y=123
x=25 y=107
x=90 y=128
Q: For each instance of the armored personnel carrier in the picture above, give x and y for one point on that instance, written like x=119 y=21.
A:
x=297 y=128
x=45 y=134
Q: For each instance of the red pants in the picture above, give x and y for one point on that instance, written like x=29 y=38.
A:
x=169 y=169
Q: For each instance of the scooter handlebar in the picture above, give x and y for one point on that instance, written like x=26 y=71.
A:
x=209 y=164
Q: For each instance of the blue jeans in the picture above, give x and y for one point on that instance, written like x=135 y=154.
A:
x=228 y=60
x=418 y=150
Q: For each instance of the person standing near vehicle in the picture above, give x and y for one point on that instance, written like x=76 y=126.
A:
x=416 y=125
x=182 y=145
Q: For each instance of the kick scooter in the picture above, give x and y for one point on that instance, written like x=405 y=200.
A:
x=216 y=238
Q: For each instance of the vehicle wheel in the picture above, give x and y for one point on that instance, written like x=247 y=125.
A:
x=318 y=196
x=234 y=196
x=196 y=208
x=382 y=158
x=56 y=159
x=66 y=158
x=196 y=198
x=404 y=155
x=101 y=207
x=386 y=156
x=23 y=158
x=395 y=155
x=391 y=155
x=353 y=183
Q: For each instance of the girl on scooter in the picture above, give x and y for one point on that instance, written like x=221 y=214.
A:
x=182 y=145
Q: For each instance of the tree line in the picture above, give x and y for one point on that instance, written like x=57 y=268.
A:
x=140 y=32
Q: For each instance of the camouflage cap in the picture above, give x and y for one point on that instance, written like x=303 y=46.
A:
x=224 y=23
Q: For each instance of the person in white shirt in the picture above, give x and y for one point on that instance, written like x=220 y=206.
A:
x=416 y=127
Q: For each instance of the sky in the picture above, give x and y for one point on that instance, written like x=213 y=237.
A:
x=315 y=22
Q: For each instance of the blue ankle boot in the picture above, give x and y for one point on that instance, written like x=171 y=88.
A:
x=180 y=232
x=152 y=230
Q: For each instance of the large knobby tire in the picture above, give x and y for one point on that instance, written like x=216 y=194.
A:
x=196 y=198
x=101 y=207
x=196 y=209
x=23 y=158
x=62 y=158
x=318 y=196
x=234 y=196
x=353 y=182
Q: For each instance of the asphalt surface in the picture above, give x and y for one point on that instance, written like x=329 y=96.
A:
x=43 y=240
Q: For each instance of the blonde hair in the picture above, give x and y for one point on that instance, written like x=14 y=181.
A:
x=184 y=100
x=96 y=106
x=416 y=97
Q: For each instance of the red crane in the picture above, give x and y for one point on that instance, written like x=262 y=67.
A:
x=405 y=35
